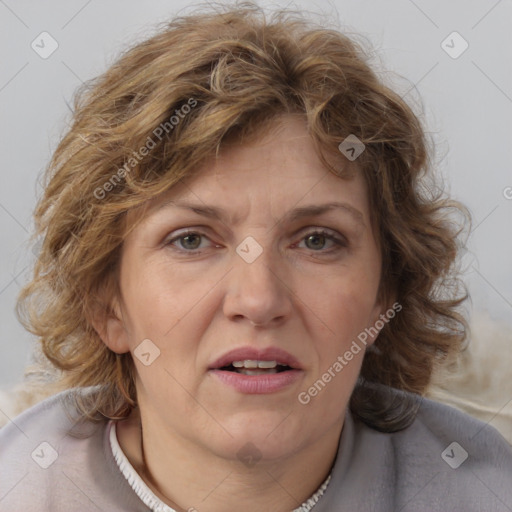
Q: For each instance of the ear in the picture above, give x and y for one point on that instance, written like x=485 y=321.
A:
x=382 y=314
x=108 y=322
x=373 y=331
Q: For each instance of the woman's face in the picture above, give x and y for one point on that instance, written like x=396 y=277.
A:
x=264 y=256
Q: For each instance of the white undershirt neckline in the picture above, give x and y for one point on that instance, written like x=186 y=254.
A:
x=152 y=501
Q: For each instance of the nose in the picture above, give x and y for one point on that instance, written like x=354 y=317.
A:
x=258 y=292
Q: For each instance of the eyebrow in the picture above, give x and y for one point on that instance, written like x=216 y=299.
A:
x=298 y=213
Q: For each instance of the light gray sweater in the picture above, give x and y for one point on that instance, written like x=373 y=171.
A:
x=445 y=461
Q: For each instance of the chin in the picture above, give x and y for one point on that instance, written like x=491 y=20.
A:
x=265 y=435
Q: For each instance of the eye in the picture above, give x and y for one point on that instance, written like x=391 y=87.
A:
x=317 y=240
x=189 y=241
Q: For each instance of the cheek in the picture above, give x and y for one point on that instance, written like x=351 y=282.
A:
x=159 y=296
x=344 y=302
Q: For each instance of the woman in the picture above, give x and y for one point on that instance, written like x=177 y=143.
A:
x=246 y=286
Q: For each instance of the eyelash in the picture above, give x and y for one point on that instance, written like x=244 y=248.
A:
x=340 y=243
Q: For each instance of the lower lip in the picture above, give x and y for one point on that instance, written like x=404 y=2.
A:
x=258 y=384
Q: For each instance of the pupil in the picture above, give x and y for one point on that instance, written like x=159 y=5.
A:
x=190 y=246
x=316 y=238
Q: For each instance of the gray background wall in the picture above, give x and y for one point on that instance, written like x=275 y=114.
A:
x=467 y=102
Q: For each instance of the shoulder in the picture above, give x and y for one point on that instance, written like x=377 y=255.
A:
x=448 y=460
x=457 y=460
x=445 y=417
x=51 y=458
x=464 y=441
x=445 y=460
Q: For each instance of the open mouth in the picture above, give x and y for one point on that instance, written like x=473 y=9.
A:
x=252 y=367
x=255 y=372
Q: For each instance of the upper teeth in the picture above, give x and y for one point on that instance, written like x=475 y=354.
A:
x=249 y=363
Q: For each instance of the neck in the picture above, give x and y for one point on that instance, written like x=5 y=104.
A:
x=188 y=477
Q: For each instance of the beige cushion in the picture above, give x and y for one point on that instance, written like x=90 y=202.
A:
x=480 y=383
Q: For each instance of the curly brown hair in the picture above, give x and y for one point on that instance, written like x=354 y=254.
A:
x=238 y=71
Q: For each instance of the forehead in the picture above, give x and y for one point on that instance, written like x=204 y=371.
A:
x=278 y=170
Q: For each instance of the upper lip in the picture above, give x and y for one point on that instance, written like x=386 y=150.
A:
x=254 y=354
